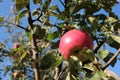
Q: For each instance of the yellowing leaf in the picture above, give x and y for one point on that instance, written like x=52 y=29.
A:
x=23 y=55
x=92 y=19
x=111 y=19
x=116 y=38
x=1 y=19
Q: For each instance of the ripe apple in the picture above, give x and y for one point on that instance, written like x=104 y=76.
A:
x=73 y=42
x=16 y=45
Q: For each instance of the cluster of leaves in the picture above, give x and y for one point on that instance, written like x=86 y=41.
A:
x=84 y=15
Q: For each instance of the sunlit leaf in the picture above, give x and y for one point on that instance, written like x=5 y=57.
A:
x=92 y=19
x=55 y=8
x=97 y=75
x=111 y=19
x=20 y=49
x=68 y=76
x=103 y=53
x=116 y=38
x=51 y=13
x=89 y=67
x=23 y=55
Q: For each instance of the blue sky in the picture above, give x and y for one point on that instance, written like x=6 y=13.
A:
x=5 y=7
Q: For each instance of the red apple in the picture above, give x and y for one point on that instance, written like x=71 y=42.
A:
x=74 y=41
x=16 y=45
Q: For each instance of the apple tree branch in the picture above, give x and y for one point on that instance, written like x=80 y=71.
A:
x=111 y=59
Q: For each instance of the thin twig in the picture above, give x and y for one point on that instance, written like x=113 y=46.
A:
x=98 y=47
x=112 y=59
x=61 y=73
x=18 y=26
x=62 y=3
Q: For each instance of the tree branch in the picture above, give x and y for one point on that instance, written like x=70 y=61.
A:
x=111 y=59
x=61 y=73
x=34 y=46
x=62 y=3
x=99 y=44
x=17 y=25
x=98 y=47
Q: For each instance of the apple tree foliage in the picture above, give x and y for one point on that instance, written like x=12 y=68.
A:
x=37 y=26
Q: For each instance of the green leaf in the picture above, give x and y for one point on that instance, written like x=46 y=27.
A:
x=92 y=19
x=52 y=36
x=7 y=69
x=29 y=35
x=36 y=12
x=46 y=4
x=51 y=13
x=111 y=19
x=53 y=7
x=37 y=1
x=20 y=49
x=87 y=53
x=1 y=18
x=116 y=38
x=47 y=61
x=20 y=4
x=22 y=14
x=97 y=76
x=103 y=53
x=58 y=61
x=108 y=57
x=23 y=55
x=89 y=67
x=112 y=42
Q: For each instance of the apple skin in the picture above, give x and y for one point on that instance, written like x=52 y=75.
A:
x=74 y=41
x=16 y=45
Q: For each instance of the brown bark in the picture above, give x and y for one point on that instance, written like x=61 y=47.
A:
x=34 y=46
